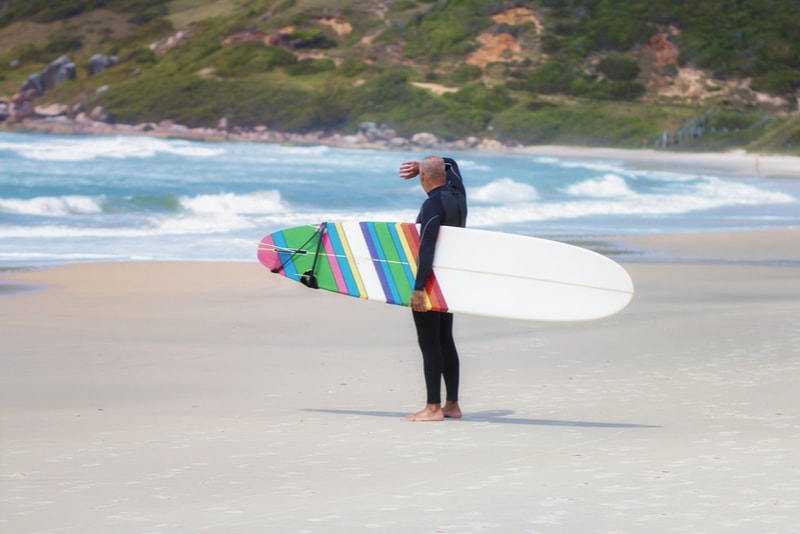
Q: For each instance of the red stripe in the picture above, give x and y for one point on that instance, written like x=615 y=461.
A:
x=432 y=288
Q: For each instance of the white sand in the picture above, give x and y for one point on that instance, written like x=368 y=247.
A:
x=221 y=398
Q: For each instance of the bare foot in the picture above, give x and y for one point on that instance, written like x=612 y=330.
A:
x=431 y=412
x=451 y=410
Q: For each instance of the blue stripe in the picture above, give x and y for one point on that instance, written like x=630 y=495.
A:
x=341 y=260
x=401 y=252
x=382 y=269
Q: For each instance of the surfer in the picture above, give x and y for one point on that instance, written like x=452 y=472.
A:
x=446 y=205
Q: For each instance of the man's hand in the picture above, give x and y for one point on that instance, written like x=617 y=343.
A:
x=418 y=302
x=409 y=169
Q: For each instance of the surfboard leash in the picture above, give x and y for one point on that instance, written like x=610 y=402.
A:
x=308 y=278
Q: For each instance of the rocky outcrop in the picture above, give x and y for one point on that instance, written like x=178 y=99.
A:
x=56 y=73
x=100 y=62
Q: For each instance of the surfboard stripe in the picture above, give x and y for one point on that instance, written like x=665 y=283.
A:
x=394 y=258
x=403 y=252
x=353 y=237
x=381 y=267
x=410 y=253
x=344 y=258
x=432 y=289
x=284 y=257
x=333 y=261
x=266 y=253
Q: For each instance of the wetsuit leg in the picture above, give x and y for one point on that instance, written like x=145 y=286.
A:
x=450 y=362
x=439 y=354
x=428 y=335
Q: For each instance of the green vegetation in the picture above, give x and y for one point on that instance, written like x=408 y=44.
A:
x=584 y=72
x=140 y=11
x=731 y=38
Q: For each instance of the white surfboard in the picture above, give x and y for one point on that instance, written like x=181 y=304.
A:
x=520 y=277
x=475 y=272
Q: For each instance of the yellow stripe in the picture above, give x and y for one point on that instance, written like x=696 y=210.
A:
x=410 y=257
x=406 y=249
x=362 y=292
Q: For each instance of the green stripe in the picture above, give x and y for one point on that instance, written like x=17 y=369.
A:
x=395 y=261
x=296 y=237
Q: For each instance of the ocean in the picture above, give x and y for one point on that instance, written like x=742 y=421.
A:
x=99 y=198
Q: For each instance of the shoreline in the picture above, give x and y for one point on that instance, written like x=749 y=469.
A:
x=736 y=162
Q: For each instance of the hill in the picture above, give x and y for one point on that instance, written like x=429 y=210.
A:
x=705 y=75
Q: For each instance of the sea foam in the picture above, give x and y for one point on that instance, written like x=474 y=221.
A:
x=52 y=206
x=120 y=147
x=504 y=190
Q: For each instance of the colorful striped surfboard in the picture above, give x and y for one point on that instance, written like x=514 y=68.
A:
x=369 y=260
x=474 y=271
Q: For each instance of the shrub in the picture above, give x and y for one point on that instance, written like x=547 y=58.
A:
x=554 y=76
x=464 y=74
x=618 y=69
x=477 y=96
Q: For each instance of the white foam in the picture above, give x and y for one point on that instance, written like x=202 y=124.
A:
x=608 y=186
x=254 y=203
x=121 y=147
x=706 y=194
x=504 y=190
x=52 y=206
x=599 y=166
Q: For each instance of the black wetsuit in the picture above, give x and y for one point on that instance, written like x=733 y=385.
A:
x=445 y=206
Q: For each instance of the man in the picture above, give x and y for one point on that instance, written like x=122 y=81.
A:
x=446 y=205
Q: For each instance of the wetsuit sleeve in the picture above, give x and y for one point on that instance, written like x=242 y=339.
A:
x=430 y=220
x=454 y=175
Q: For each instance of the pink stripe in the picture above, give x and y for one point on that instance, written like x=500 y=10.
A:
x=266 y=253
x=333 y=261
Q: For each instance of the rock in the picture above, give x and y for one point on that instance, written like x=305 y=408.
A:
x=34 y=84
x=398 y=142
x=100 y=62
x=98 y=114
x=22 y=109
x=58 y=72
x=164 y=46
x=425 y=139
x=51 y=110
x=375 y=133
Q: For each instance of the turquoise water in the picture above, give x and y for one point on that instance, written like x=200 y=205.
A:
x=93 y=198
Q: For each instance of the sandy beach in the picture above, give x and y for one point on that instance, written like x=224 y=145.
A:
x=211 y=397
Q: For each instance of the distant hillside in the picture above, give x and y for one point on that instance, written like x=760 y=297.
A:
x=701 y=75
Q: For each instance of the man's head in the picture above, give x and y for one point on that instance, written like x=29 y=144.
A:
x=432 y=173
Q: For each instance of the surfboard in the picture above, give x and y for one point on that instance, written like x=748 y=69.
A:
x=476 y=272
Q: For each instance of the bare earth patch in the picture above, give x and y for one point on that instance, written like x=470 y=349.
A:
x=435 y=87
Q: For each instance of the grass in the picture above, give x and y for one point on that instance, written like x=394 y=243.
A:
x=183 y=13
